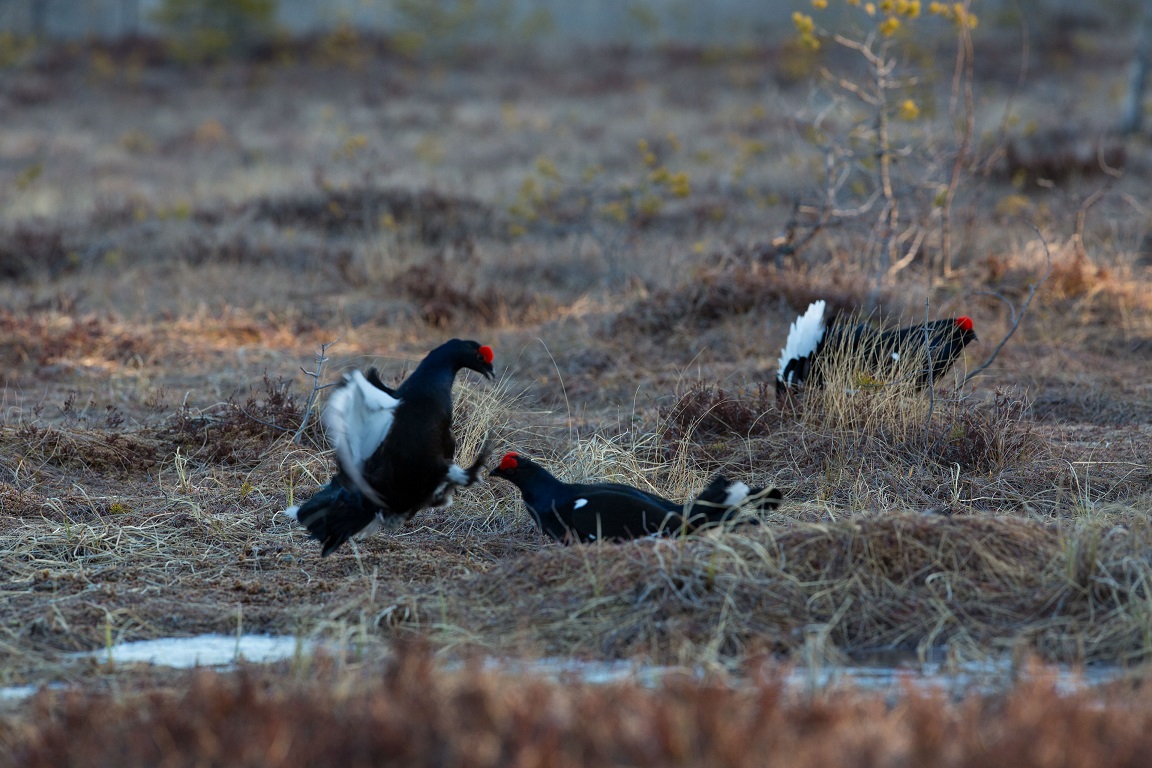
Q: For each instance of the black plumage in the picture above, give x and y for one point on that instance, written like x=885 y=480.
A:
x=589 y=512
x=394 y=447
x=812 y=346
x=946 y=341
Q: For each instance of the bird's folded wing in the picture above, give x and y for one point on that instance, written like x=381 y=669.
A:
x=357 y=420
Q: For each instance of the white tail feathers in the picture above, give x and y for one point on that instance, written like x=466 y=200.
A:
x=357 y=418
x=736 y=493
x=803 y=338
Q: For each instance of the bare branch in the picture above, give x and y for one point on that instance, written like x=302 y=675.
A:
x=321 y=358
x=1023 y=310
x=1002 y=297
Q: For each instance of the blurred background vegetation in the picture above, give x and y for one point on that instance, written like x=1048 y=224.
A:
x=216 y=25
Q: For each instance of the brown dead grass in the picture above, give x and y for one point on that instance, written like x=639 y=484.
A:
x=411 y=712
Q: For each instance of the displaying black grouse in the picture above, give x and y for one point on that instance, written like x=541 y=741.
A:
x=394 y=447
x=591 y=512
x=810 y=343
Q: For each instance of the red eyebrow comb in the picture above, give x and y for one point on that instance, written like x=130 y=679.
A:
x=965 y=323
x=486 y=353
x=509 y=460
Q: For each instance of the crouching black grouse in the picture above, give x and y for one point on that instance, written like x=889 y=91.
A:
x=615 y=512
x=394 y=447
x=810 y=345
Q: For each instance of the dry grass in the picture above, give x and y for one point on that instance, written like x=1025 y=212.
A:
x=910 y=582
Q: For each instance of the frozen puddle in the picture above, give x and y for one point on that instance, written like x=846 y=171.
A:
x=183 y=653
x=202 y=650
x=980 y=677
x=17 y=692
x=958 y=679
x=882 y=674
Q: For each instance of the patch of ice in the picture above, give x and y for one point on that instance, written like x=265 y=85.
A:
x=954 y=679
x=17 y=692
x=201 y=650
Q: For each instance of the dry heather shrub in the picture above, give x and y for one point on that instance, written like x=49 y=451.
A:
x=240 y=434
x=708 y=410
x=1058 y=154
x=15 y=502
x=447 y=296
x=206 y=247
x=735 y=290
x=31 y=250
x=33 y=445
x=434 y=217
x=411 y=712
x=985 y=438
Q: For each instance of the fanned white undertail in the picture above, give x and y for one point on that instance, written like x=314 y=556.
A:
x=357 y=420
x=803 y=338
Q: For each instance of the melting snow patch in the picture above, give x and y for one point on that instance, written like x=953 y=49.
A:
x=202 y=650
x=17 y=692
x=982 y=677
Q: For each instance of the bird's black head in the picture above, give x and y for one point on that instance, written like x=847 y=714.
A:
x=469 y=354
x=513 y=468
x=964 y=327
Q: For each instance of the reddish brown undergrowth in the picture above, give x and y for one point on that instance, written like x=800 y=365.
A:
x=731 y=291
x=411 y=712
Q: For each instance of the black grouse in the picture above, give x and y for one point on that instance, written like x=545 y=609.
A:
x=394 y=447
x=810 y=343
x=591 y=512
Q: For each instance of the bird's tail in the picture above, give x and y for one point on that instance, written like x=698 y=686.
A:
x=333 y=515
x=722 y=499
x=481 y=459
x=458 y=477
x=803 y=339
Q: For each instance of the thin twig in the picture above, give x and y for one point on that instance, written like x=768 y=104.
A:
x=962 y=76
x=321 y=358
x=1023 y=309
x=261 y=421
x=931 y=383
x=789 y=244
